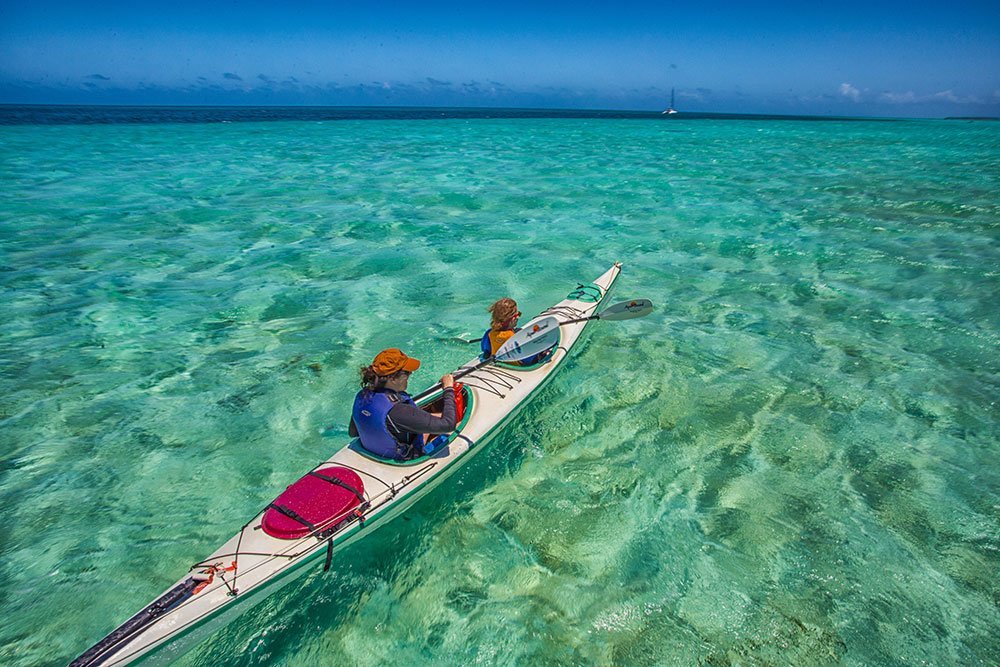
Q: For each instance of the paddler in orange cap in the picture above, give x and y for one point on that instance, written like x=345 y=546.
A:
x=386 y=419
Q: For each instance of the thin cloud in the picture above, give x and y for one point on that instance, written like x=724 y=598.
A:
x=231 y=76
x=850 y=92
x=99 y=77
x=910 y=97
x=949 y=96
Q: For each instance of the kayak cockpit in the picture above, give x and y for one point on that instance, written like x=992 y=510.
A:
x=433 y=403
x=533 y=362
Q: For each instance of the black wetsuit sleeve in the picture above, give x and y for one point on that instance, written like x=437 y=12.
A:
x=352 y=430
x=410 y=418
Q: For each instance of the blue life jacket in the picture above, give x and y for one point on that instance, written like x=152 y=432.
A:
x=371 y=410
x=485 y=345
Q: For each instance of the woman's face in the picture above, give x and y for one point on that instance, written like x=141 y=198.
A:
x=398 y=381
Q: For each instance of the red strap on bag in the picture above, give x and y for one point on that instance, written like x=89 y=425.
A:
x=459 y=402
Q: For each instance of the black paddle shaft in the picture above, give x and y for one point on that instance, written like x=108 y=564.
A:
x=580 y=319
x=460 y=374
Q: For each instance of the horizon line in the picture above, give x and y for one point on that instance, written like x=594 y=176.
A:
x=690 y=114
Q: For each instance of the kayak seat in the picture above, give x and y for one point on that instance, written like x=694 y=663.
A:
x=319 y=500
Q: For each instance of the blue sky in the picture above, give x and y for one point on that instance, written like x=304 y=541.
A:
x=845 y=58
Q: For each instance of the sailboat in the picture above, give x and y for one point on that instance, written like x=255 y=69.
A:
x=670 y=109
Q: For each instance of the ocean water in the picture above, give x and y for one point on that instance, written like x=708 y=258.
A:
x=794 y=460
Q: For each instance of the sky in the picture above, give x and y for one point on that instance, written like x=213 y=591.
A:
x=898 y=59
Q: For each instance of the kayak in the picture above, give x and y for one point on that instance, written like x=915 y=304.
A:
x=343 y=499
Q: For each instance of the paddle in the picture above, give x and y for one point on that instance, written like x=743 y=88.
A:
x=533 y=339
x=626 y=310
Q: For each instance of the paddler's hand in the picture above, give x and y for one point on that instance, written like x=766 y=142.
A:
x=447 y=381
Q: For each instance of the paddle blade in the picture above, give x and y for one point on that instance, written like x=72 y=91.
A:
x=627 y=310
x=536 y=337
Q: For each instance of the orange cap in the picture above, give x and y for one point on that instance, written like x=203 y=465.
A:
x=392 y=361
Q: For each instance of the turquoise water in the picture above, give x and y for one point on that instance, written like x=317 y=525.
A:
x=794 y=460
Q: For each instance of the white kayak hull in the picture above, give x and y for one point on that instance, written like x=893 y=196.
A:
x=253 y=564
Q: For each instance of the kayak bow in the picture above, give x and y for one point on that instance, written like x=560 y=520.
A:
x=340 y=501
